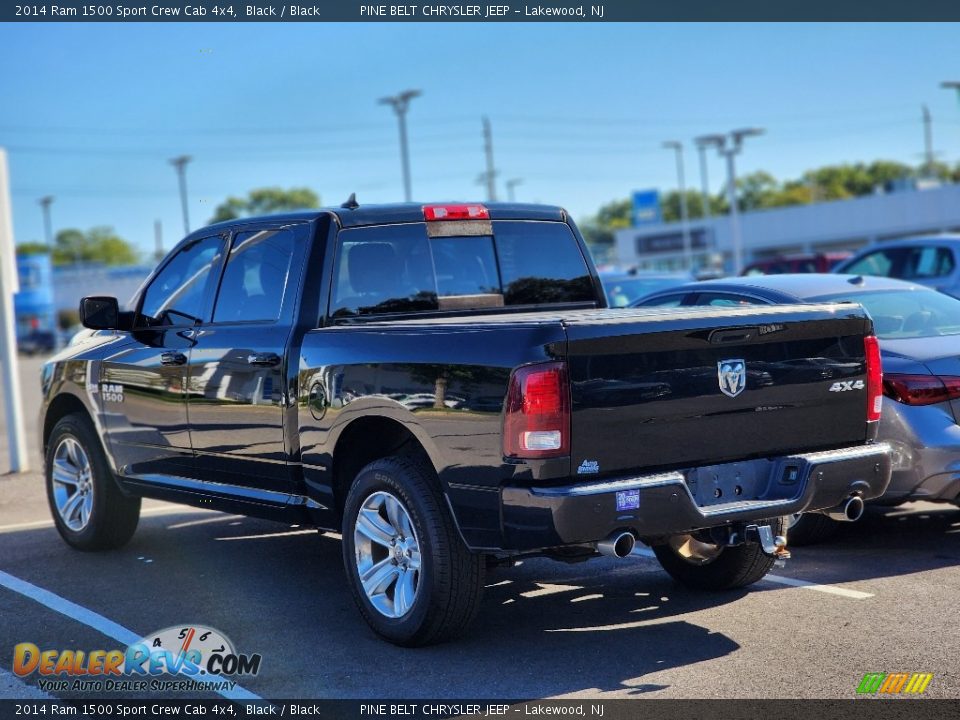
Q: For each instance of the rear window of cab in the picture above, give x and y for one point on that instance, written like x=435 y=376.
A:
x=400 y=269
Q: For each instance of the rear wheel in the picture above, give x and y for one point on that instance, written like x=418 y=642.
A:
x=89 y=510
x=810 y=528
x=706 y=566
x=411 y=576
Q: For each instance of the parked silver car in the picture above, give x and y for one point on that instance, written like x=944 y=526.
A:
x=919 y=332
x=932 y=260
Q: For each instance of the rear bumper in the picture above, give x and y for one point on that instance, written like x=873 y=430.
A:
x=663 y=504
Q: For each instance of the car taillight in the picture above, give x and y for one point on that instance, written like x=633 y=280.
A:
x=537 y=419
x=455 y=212
x=874 y=378
x=921 y=389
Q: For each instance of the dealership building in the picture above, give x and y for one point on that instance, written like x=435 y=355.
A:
x=820 y=227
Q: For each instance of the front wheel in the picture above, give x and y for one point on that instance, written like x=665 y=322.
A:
x=90 y=511
x=411 y=576
x=707 y=566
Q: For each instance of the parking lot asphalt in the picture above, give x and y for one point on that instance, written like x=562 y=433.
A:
x=880 y=597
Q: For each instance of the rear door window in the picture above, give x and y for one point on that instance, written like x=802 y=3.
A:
x=255 y=277
x=399 y=269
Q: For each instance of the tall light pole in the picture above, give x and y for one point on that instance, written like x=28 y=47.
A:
x=951 y=85
x=703 y=143
x=511 y=184
x=729 y=146
x=677 y=147
x=45 y=203
x=180 y=163
x=400 y=103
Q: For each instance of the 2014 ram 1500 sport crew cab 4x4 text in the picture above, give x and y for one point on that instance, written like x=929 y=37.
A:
x=445 y=386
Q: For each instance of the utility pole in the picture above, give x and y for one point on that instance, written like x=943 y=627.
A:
x=928 y=142
x=400 y=103
x=45 y=203
x=511 y=184
x=677 y=147
x=9 y=367
x=490 y=176
x=158 y=240
x=180 y=163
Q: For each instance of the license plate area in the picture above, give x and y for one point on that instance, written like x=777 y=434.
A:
x=780 y=479
x=729 y=483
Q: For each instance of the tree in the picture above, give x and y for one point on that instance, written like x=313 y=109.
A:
x=598 y=229
x=32 y=248
x=97 y=245
x=264 y=201
x=670 y=205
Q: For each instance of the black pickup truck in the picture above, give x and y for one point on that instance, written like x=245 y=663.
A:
x=444 y=385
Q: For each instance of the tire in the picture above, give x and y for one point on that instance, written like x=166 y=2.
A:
x=101 y=517
x=719 y=568
x=810 y=528
x=447 y=584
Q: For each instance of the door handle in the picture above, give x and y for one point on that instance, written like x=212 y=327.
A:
x=173 y=358
x=267 y=359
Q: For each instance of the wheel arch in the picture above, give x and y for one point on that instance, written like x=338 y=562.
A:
x=372 y=437
x=62 y=405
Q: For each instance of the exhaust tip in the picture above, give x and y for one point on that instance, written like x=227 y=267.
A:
x=854 y=508
x=618 y=545
x=850 y=511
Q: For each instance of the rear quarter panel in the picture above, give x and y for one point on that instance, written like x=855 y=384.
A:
x=444 y=383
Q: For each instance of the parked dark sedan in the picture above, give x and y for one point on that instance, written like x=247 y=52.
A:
x=919 y=332
x=623 y=288
x=38 y=342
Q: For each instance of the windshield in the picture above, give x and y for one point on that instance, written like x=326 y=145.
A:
x=902 y=314
x=623 y=291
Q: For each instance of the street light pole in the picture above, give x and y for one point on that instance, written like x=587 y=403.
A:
x=704 y=181
x=677 y=147
x=730 y=151
x=45 y=203
x=180 y=163
x=400 y=103
x=511 y=184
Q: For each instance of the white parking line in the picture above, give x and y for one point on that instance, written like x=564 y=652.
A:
x=831 y=589
x=94 y=620
x=158 y=510
x=792 y=582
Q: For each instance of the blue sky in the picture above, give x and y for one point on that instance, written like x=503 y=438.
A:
x=92 y=113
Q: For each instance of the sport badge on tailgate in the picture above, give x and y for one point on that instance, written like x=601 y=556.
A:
x=628 y=499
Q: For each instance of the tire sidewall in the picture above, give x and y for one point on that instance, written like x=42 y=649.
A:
x=72 y=427
x=387 y=477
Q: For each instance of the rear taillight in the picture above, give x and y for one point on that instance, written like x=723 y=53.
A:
x=921 y=389
x=874 y=378
x=455 y=212
x=537 y=419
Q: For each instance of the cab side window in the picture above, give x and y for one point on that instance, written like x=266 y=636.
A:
x=256 y=276
x=176 y=295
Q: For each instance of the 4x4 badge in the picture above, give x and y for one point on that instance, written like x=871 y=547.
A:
x=732 y=375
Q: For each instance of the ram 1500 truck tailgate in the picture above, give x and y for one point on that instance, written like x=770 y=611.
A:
x=689 y=388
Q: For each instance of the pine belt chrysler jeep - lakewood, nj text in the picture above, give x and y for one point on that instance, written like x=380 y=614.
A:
x=445 y=385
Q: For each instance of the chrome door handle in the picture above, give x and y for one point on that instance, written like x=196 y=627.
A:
x=267 y=359
x=173 y=358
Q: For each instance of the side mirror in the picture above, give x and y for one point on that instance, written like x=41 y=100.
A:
x=100 y=313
